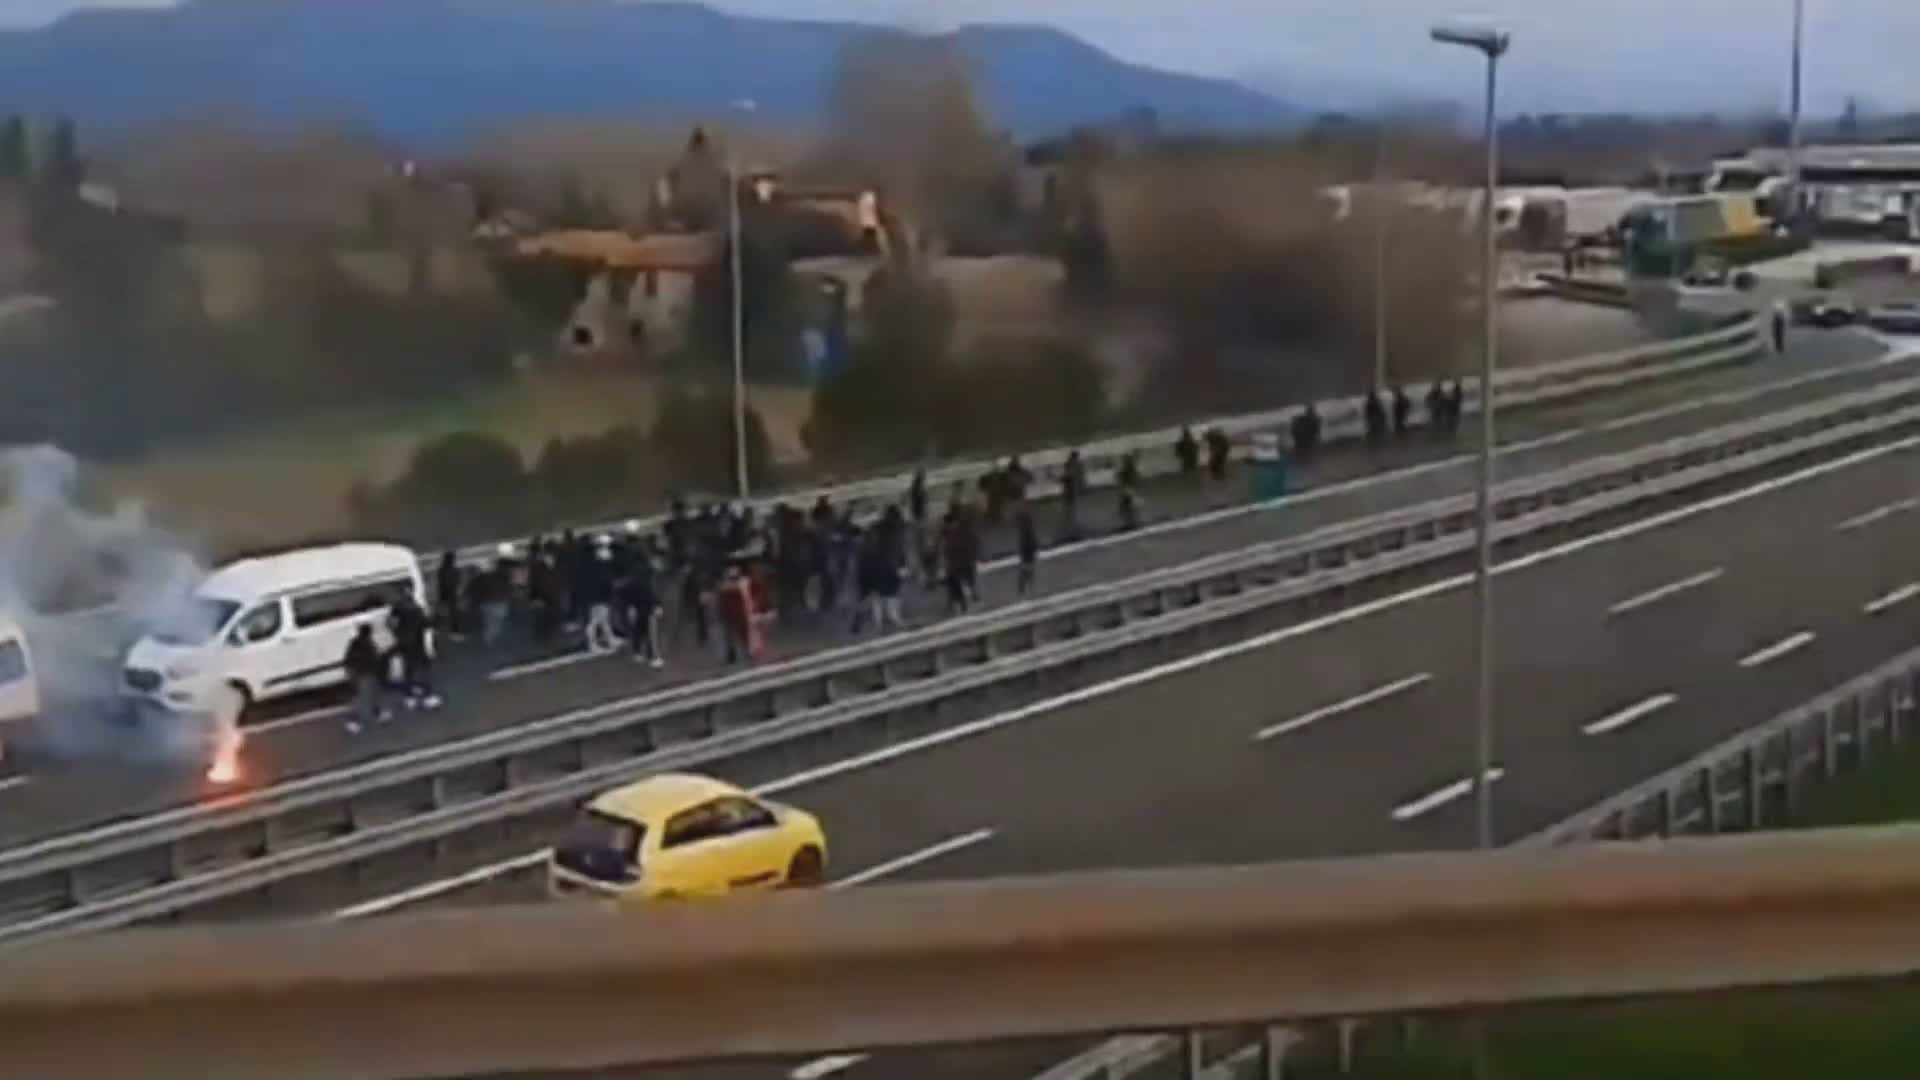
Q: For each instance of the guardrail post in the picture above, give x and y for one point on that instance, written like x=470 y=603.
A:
x=1349 y=1030
x=1195 y=1052
x=1828 y=740
x=1663 y=813
x=1274 y=1049
x=1710 y=799
x=1790 y=764
x=1752 y=767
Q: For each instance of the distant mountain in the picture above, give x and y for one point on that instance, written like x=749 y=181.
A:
x=434 y=71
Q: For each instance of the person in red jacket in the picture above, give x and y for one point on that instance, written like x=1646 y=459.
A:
x=737 y=609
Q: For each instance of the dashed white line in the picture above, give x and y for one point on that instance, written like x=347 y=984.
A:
x=912 y=859
x=1892 y=599
x=551 y=663
x=1672 y=588
x=1378 y=693
x=1790 y=644
x=1434 y=800
x=1877 y=515
x=826 y=1066
x=1632 y=714
x=12 y=782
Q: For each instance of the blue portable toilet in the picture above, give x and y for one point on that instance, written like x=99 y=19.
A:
x=1267 y=471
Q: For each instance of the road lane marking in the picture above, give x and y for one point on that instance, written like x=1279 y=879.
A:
x=551 y=663
x=1182 y=665
x=1673 y=588
x=1378 y=693
x=1892 y=599
x=1434 y=800
x=1632 y=714
x=826 y=1066
x=12 y=782
x=1877 y=515
x=1789 y=644
x=916 y=858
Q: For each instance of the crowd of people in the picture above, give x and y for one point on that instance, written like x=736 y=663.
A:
x=720 y=575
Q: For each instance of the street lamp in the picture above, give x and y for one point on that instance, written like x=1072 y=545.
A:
x=1493 y=45
x=1793 y=120
x=741 y=484
x=1380 y=259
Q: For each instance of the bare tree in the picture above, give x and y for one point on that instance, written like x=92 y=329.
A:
x=904 y=117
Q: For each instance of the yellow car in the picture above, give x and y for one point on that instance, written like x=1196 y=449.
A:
x=675 y=836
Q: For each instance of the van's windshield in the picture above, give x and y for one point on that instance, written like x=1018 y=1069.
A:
x=195 y=622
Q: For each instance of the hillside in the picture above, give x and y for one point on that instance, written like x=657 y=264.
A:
x=436 y=71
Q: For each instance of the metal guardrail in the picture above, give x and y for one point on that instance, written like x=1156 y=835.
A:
x=176 y=860
x=579 y=987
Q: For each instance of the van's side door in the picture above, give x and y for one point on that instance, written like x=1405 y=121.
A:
x=324 y=623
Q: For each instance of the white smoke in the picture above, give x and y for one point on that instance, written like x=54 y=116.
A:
x=84 y=586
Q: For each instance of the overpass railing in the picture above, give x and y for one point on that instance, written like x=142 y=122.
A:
x=579 y=987
x=790 y=716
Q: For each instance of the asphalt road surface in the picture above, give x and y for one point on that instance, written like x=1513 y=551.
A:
x=1617 y=657
x=489 y=692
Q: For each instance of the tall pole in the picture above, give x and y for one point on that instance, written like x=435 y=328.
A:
x=1483 y=485
x=1793 y=109
x=1380 y=261
x=739 y=329
x=1492 y=44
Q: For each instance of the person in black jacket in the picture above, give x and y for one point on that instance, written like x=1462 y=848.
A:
x=1402 y=412
x=1219 y=449
x=1187 y=451
x=410 y=627
x=366 y=674
x=1027 y=535
x=640 y=603
x=1376 y=418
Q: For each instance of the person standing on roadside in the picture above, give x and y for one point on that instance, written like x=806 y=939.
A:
x=1027 y=540
x=641 y=604
x=366 y=673
x=1402 y=412
x=736 y=609
x=1073 y=483
x=1375 y=415
x=411 y=628
x=596 y=590
x=1187 y=452
x=447 y=582
x=1219 y=449
x=1456 y=407
x=1437 y=409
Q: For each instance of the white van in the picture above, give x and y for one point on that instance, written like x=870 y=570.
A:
x=265 y=628
x=19 y=690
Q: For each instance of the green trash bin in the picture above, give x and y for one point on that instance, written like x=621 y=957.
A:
x=1267 y=468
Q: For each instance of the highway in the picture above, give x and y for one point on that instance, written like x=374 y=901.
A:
x=1618 y=655
x=486 y=695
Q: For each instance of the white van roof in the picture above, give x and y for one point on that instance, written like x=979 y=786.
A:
x=271 y=574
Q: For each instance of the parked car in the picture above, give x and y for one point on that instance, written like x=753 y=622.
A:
x=1828 y=311
x=1901 y=317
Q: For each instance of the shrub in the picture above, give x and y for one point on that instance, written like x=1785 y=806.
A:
x=594 y=474
x=693 y=441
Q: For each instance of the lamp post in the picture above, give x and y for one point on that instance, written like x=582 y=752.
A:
x=742 y=485
x=1793 y=106
x=1493 y=45
x=1380 y=260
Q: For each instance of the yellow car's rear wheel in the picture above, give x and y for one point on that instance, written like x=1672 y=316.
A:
x=808 y=868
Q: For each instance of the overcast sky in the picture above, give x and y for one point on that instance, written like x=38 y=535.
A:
x=1568 y=54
